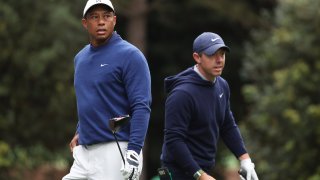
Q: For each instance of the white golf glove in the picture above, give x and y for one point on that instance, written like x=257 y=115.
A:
x=247 y=169
x=130 y=170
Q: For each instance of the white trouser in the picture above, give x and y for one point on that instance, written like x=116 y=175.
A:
x=98 y=162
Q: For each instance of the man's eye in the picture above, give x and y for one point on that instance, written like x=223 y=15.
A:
x=108 y=16
x=93 y=17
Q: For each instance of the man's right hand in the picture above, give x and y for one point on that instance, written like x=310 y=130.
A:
x=74 y=142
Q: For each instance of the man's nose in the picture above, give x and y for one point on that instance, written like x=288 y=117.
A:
x=219 y=59
x=101 y=20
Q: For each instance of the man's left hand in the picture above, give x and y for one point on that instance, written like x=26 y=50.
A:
x=247 y=167
x=130 y=168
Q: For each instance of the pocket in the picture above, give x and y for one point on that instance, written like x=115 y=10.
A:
x=79 y=157
x=75 y=148
x=75 y=152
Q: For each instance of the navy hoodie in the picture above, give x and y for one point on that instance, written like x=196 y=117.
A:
x=197 y=113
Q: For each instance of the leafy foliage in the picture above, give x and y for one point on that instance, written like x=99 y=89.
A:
x=282 y=68
x=38 y=42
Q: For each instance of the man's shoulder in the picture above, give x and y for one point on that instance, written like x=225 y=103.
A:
x=127 y=47
x=186 y=90
x=83 y=51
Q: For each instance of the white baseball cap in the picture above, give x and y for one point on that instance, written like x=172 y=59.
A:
x=91 y=3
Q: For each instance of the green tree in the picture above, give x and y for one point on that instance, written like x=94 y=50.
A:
x=282 y=70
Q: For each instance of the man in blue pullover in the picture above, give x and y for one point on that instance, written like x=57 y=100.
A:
x=197 y=114
x=111 y=79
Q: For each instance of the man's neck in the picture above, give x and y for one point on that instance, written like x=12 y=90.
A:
x=196 y=69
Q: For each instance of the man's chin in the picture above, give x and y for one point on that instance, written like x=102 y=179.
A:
x=101 y=37
x=217 y=73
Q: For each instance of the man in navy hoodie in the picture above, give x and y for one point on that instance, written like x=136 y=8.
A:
x=197 y=114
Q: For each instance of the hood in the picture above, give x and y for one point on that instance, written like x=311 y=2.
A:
x=186 y=76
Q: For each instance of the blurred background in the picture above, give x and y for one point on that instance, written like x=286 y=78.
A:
x=273 y=71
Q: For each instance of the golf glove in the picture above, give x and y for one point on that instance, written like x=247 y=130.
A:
x=130 y=170
x=247 y=170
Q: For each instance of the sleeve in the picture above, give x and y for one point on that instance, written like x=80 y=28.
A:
x=230 y=132
x=137 y=82
x=178 y=110
x=77 y=128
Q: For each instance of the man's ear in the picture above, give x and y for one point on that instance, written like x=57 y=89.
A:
x=196 y=57
x=84 y=23
x=115 y=21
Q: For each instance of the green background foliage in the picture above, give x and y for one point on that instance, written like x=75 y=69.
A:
x=282 y=69
x=273 y=71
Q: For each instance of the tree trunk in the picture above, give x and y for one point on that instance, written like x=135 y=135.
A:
x=136 y=28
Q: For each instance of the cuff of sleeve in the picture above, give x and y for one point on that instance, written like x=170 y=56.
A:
x=137 y=149
x=193 y=169
x=240 y=152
